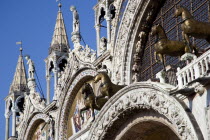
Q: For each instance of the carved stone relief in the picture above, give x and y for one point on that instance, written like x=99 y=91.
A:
x=143 y=96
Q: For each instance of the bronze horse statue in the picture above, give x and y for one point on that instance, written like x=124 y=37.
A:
x=164 y=46
x=192 y=27
x=107 y=88
x=90 y=101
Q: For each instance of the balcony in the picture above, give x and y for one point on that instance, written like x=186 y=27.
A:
x=197 y=68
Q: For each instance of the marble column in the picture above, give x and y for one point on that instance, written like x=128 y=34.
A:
x=7 y=126
x=48 y=89
x=14 y=120
x=97 y=27
x=55 y=71
x=108 y=20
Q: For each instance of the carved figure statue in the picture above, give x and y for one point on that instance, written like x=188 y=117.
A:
x=93 y=56
x=87 y=51
x=192 y=27
x=107 y=88
x=76 y=24
x=51 y=123
x=31 y=68
x=163 y=46
x=89 y=101
x=103 y=45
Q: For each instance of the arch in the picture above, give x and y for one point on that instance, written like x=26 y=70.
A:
x=147 y=125
x=19 y=103
x=68 y=97
x=144 y=96
x=62 y=64
x=35 y=121
x=138 y=16
x=128 y=29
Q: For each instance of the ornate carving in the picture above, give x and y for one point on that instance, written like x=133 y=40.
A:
x=137 y=56
x=30 y=126
x=143 y=98
x=51 y=128
x=103 y=45
x=122 y=37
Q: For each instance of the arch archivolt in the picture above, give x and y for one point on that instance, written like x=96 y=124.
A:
x=138 y=17
x=35 y=121
x=145 y=124
x=138 y=97
x=125 y=31
x=68 y=96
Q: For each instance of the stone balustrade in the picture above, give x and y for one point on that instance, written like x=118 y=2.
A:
x=197 y=68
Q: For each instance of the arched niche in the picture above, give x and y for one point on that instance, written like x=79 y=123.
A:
x=147 y=125
x=69 y=103
x=144 y=103
x=75 y=123
x=38 y=128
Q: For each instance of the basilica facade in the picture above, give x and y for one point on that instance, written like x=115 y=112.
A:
x=148 y=79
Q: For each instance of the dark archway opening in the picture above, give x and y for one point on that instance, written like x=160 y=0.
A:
x=62 y=64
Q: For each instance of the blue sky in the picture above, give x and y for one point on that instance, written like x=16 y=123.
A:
x=33 y=21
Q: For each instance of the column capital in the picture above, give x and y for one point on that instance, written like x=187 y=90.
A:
x=108 y=17
x=97 y=26
x=55 y=70
x=48 y=77
x=7 y=115
x=14 y=109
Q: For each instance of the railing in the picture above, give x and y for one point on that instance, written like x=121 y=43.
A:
x=197 y=68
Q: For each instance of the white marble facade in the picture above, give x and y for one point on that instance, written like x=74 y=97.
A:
x=187 y=116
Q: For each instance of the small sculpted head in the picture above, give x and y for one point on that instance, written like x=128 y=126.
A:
x=178 y=11
x=27 y=57
x=154 y=29
x=72 y=8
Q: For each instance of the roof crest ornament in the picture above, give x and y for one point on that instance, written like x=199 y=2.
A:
x=59 y=4
x=21 y=48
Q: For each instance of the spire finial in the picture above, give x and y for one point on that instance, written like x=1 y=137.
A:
x=21 y=49
x=59 y=4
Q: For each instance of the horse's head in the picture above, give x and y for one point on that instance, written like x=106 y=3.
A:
x=97 y=78
x=155 y=29
x=178 y=11
x=87 y=90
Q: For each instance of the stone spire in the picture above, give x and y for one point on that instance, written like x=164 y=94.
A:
x=59 y=40
x=19 y=83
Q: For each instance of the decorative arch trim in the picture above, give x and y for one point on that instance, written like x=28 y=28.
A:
x=124 y=33
x=147 y=96
x=68 y=99
x=33 y=123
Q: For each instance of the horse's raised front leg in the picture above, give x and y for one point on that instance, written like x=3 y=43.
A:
x=161 y=56
x=81 y=110
x=155 y=56
x=93 y=114
x=187 y=41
